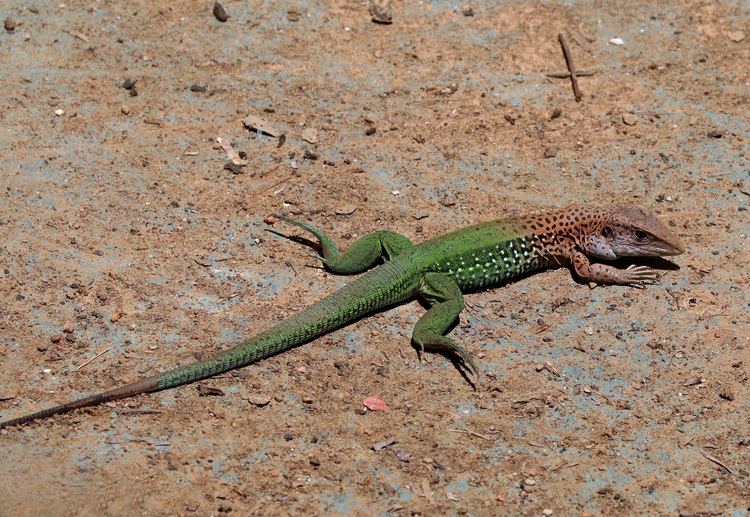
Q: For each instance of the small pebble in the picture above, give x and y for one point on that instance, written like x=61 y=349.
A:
x=315 y=462
x=116 y=315
x=735 y=36
x=9 y=24
x=288 y=437
x=47 y=370
x=375 y=404
x=207 y=391
x=529 y=482
x=197 y=88
x=468 y=11
x=55 y=339
x=269 y=219
x=617 y=41
x=293 y=16
x=381 y=11
x=629 y=119
x=308 y=399
x=234 y=168
x=555 y=113
x=727 y=395
x=403 y=456
x=59 y=112
x=258 y=399
x=550 y=152
x=361 y=411
x=220 y=13
x=68 y=327
x=310 y=135
x=370 y=131
x=346 y=210
x=128 y=84
x=547 y=512
x=382 y=445
x=124 y=110
x=43 y=347
x=715 y=133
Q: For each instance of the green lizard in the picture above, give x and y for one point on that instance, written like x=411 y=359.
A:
x=439 y=271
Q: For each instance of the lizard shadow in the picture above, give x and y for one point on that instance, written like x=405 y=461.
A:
x=652 y=262
x=297 y=239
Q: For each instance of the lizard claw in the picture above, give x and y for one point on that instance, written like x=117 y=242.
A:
x=638 y=276
x=420 y=352
x=467 y=360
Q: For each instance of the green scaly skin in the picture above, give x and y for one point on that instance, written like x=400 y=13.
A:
x=439 y=271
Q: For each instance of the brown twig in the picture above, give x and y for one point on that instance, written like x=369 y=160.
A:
x=139 y=440
x=472 y=433
x=571 y=66
x=269 y=171
x=565 y=75
x=263 y=191
x=718 y=462
x=139 y=412
x=682 y=446
x=90 y=360
x=565 y=466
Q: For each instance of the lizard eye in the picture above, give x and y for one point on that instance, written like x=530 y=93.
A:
x=640 y=234
x=607 y=232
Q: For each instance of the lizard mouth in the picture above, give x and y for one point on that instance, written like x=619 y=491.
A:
x=655 y=248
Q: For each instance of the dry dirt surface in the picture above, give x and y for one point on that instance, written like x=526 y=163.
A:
x=129 y=244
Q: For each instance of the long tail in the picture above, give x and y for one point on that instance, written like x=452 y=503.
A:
x=143 y=386
x=387 y=284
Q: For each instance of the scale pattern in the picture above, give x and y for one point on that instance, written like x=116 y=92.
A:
x=491 y=266
x=385 y=285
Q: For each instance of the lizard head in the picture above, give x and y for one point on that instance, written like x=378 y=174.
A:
x=628 y=231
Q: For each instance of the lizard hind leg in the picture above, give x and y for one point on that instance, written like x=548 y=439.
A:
x=446 y=302
x=362 y=254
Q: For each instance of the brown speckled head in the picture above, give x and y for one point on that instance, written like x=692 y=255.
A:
x=620 y=231
x=626 y=231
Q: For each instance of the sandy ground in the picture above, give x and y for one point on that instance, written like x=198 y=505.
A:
x=120 y=222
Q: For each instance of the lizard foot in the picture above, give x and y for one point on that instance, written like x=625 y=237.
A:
x=638 y=276
x=446 y=344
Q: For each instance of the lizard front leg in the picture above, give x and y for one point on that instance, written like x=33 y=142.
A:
x=634 y=276
x=362 y=254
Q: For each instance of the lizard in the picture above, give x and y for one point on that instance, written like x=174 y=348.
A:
x=438 y=271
